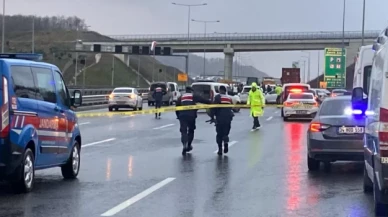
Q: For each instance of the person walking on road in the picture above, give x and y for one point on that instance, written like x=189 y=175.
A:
x=278 y=91
x=158 y=97
x=187 y=117
x=256 y=100
x=223 y=121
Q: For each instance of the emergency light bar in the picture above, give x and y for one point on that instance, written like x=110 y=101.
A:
x=22 y=56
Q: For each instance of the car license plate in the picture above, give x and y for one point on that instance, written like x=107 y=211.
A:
x=120 y=102
x=351 y=130
x=302 y=112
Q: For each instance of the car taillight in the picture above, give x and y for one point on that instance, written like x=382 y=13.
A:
x=333 y=95
x=111 y=96
x=318 y=127
x=5 y=111
x=383 y=132
x=288 y=104
x=315 y=104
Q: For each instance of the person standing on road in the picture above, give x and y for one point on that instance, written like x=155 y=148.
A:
x=257 y=101
x=187 y=117
x=223 y=121
x=158 y=97
x=278 y=91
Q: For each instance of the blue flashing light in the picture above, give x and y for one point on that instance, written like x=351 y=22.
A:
x=23 y=56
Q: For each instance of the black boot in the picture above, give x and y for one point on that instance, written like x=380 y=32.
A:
x=184 y=150
x=189 y=147
x=156 y=116
x=226 y=147
x=219 y=150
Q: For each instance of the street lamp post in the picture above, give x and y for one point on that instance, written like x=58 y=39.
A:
x=307 y=79
x=188 y=29
x=3 y=30
x=363 y=23
x=205 y=22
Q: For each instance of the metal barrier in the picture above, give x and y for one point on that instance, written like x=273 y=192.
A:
x=88 y=100
x=325 y=35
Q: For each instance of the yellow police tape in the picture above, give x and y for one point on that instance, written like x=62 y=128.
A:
x=167 y=109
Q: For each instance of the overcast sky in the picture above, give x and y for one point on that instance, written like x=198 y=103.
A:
x=121 y=17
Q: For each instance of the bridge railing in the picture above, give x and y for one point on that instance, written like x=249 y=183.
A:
x=249 y=36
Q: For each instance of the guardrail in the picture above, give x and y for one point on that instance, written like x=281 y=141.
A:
x=250 y=36
x=102 y=91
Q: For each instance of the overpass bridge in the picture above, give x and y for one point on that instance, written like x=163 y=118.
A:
x=229 y=43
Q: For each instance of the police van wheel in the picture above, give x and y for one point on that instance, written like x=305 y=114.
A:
x=71 y=169
x=110 y=109
x=25 y=174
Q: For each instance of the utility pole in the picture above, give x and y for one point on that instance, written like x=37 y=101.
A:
x=33 y=35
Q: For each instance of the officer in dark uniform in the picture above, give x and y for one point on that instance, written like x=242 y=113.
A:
x=187 y=118
x=158 y=97
x=223 y=121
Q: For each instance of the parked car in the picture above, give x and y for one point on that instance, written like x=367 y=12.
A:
x=125 y=97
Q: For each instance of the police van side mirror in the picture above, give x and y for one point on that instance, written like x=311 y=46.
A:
x=358 y=100
x=76 y=100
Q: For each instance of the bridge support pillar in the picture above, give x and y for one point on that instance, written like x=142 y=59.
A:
x=228 y=62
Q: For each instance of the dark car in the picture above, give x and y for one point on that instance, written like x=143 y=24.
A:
x=338 y=92
x=335 y=134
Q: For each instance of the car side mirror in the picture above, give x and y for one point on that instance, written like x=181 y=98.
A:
x=77 y=98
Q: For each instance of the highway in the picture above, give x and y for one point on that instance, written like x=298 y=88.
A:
x=132 y=166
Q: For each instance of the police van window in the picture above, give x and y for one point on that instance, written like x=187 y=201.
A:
x=23 y=82
x=61 y=89
x=172 y=87
x=367 y=74
x=45 y=84
x=155 y=85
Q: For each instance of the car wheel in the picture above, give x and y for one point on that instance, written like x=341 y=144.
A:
x=110 y=109
x=116 y=109
x=380 y=208
x=281 y=112
x=149 y=103
x=25 y=173
x=71 y=169
x=285 y=118
x=312 y=164
x=368 y=184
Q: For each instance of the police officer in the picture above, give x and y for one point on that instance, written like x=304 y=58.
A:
x=223 y=119
x=256 y=100
x=158 y=97
x=187 y=118
x=278 y=91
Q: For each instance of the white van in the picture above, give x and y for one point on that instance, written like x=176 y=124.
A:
x=173 y=87
x=208 y=90
x=363 y=68
x=376 y=130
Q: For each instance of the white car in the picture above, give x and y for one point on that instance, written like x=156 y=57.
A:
x=173 y=86
x=300 y=105
x=270 y=98
x=244 y=94
x=125 y=97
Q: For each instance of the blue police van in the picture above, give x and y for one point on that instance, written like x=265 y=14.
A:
x=38 y=125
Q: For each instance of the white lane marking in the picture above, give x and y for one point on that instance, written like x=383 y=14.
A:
x=268 y=119
x=276 y=112
x=136 y=198
x=84 y=123
x=99 y=142
x=230 y=145
x=164 y=126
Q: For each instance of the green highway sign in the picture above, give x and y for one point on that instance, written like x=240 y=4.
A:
x=335 y=67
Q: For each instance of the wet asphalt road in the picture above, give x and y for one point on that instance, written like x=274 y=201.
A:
x=132 y=166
